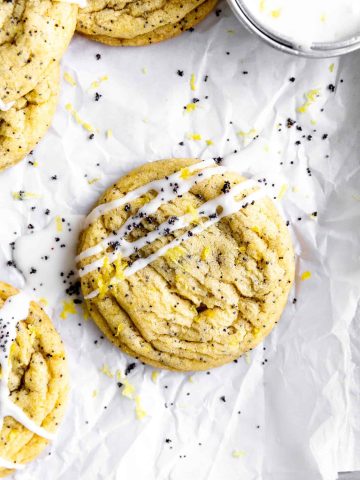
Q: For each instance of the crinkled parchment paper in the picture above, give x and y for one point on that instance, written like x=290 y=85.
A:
x=289 y=410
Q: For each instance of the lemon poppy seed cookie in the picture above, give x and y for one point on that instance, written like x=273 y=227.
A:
x=185 y=264
x=34 y=379
x=25 y=123
x=135 y=23
x=33 y=34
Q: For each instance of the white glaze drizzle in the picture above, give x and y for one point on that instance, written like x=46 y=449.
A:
x=138 y=192
x=168 y=190
x=126 y=249
x=226 y=202
x=15 y=309
x=4 y=107
x=11 y=465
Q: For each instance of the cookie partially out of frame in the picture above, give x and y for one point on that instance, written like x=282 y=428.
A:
x=37 y=381
x=136 y=23
x=33 y=34
x=208 y=299
x=25 y=123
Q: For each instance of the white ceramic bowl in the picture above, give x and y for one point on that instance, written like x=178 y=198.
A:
x=317 y=50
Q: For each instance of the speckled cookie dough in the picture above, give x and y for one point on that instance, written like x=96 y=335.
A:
x=37 y=381
x=23 y=125
x=208 y=299
x=33 y=34
x=135 y=23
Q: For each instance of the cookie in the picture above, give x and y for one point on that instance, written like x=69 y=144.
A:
x=33 y=34
x=185 y=264
x=136 y=23
x=25 y=123
x=34 y=379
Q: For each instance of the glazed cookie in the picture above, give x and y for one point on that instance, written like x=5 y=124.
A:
x=185 y=264
x=34 y=379
x=25 y=123
x=33 y=34
x=135 y=23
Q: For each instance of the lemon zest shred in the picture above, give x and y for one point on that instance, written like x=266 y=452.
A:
x=69 y=107
x=305 y=275
x=205 y=253
x=194 y=136
x=210 y=313
x=310 y=97
x=282 y=191
x=190 y=210
x=102 y=287
x=93 y=180
x=276 y=13
x=154 y=376
x=106 y=370
x=69 y=79
x=32 y=329
x=255 y=331
x=68 y=309
x=185 y=173
x=192 y=82
x=96 y=83
x=128 y=390
x=120 y=266
x=22 y=195
x=119 y=329
x=249 y=133
x=234 y=342
x=175 y=253
x=238 y=453
x=190 y=107
x=140 y=412
x=146 y=348
x=59 y=223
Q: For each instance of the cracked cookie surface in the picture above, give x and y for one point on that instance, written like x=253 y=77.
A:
x=38 y=383
x=33 y=34
x=136 y=23
x=204 y=303
x=26 y=122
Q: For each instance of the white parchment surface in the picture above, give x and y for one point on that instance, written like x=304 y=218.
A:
x=289 y=410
